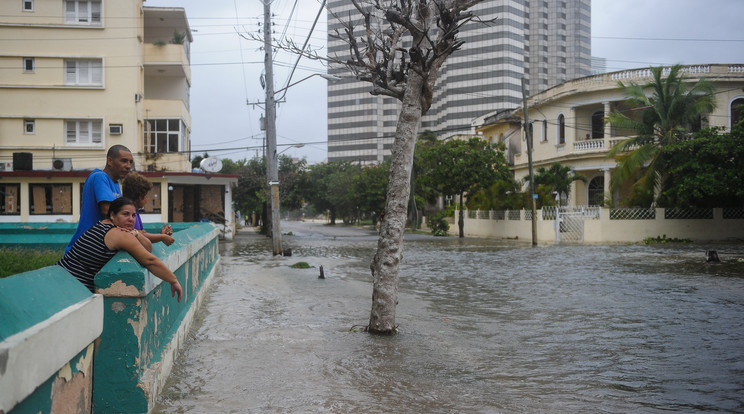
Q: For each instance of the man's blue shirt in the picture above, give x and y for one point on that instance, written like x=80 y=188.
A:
x=98 y=187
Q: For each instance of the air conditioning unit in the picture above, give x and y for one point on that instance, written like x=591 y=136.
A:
x=116 y=129
x=6 y=166
x=62 y=164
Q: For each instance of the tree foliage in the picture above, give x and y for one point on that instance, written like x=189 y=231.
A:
x=462 y=167
x=328 y=189
x=555 y=181
x=707 y=171
x=660 y=119
x=369 y=189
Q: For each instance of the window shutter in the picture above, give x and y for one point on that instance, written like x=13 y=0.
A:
x=84 y=128
x=83 y=71
x=96 y=131
x=70 y=11
x=71 y=136
x=96 y=72
x=95 y=7
x=70 y=72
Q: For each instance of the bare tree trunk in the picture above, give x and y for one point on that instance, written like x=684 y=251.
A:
x=392 y=227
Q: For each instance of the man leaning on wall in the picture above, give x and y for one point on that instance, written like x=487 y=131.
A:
x=101 y=188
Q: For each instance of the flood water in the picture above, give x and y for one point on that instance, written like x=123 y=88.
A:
x=486 y=326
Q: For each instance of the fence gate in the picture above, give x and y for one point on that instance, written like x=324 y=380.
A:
x=569 y=226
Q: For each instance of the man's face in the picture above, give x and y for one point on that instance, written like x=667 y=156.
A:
x=121 y=165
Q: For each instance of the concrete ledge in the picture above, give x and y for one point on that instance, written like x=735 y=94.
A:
x=25 y=357
x=143 y=324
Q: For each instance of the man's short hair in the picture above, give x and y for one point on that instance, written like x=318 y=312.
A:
x=114 y=151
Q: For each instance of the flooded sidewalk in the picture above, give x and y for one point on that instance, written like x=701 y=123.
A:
x=486 y=326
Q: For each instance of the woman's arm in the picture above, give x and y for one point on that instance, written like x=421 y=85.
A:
x=161 y=237
x=141 y=237
x=119 y=240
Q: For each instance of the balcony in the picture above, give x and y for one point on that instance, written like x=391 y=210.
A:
x=167 y=38
x=169 y=60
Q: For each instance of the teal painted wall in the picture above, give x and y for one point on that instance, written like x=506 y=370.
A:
x=49 y=398
x=55 y=235
x=141 y=320
x=142 y=324
x=46 y=335
x=31 y=297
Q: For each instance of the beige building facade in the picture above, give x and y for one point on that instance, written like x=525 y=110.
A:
x=78 y=76
x=568 y=125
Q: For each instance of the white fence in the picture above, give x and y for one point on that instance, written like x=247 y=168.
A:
x=606 y=224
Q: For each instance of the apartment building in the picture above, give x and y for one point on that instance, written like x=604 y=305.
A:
x=78 y=76
x=544 y=42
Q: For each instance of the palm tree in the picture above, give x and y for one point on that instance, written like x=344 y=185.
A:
x=660 y=119
x=557 y=178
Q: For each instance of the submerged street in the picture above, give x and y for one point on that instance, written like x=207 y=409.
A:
x=486 y=326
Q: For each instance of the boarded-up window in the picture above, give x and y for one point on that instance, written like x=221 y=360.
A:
x=9 y=199
x=177 y=204
x=51 y=198
x=211 y=203
x=153 y=199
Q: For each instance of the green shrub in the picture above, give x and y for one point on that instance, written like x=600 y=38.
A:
x=438 y=223
x=663 y=239
x=13 y=261
x=300 y=265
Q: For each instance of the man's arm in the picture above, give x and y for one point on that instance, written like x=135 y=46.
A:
x=103 y=207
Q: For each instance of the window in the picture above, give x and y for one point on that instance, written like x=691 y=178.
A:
x=595 y=191
x=83 y=12
x=737 y=111
x=28 y=5
x=164 y=135
x=50 y=198
x=28 y=65
x=84 y=132
x=598 y=125
x=29 y=126
x=544 y=136
x=83 y=72
x=9 y=199
x=561 y=129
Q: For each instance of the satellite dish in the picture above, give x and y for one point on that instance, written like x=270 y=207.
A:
x=211 y=164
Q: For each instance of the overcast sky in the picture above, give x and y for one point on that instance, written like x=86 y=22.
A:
x=226 y=68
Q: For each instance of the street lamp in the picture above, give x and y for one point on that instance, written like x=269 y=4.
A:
x=322 y=75
x=290 y=146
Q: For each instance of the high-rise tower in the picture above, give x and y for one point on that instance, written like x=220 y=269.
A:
x=545 y=42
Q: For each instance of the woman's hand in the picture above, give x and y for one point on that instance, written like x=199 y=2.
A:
x=176 y=288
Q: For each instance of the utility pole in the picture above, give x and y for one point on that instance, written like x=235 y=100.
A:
x=272 y=167
x=529 y=162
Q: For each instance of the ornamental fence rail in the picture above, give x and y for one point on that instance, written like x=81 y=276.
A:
x=601 y=224
x=595 y=213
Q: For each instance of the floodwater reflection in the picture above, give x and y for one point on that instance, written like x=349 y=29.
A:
x=486 y=326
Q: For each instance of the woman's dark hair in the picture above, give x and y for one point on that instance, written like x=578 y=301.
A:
x=116 y=205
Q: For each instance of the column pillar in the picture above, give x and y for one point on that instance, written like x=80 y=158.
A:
x=607 y=178
x=607 y=126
